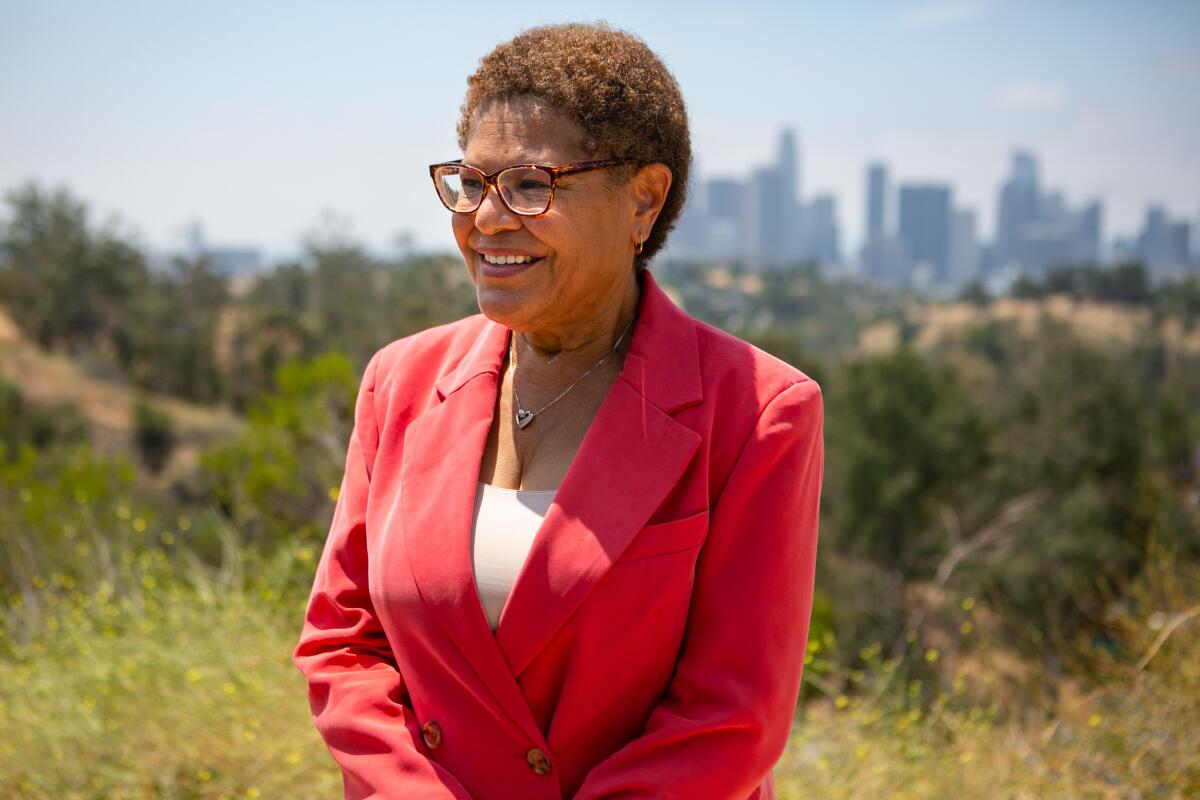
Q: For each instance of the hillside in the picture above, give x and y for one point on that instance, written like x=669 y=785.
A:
x=46 y=378
x=1096 y=322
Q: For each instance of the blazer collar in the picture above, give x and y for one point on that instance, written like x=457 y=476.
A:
x=662 y=363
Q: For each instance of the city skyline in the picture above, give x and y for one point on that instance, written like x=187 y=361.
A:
x=918 y=234
x=254 y=121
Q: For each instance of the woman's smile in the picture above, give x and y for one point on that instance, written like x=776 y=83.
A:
x=502 y=264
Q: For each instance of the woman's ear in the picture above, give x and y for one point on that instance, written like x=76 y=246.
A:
x=650 y=187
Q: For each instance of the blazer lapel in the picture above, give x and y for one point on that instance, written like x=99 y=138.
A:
x=632 y=455
x=630 y=458
x=443 y=448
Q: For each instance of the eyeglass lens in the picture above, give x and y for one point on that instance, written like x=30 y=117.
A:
x=526 y=190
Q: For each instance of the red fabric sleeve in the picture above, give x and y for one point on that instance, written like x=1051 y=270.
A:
x=355 y=690
x=726 y=716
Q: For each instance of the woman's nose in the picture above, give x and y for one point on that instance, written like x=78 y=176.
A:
x=492 y=215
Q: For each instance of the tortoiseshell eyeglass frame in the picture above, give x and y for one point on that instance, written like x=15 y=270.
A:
x=489 y=181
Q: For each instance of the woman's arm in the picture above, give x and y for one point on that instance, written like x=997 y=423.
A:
x=726 y=717
x=356 y=693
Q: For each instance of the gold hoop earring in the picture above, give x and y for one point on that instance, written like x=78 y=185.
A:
x=639 y=247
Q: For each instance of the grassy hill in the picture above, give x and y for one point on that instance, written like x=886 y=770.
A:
x=106 y=402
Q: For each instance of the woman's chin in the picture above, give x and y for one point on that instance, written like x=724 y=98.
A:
x=508 y=307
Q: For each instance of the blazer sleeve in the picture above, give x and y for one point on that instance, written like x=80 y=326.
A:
x=726 y=716
x=355 y=690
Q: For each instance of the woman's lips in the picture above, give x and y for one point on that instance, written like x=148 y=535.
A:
x=503 y=270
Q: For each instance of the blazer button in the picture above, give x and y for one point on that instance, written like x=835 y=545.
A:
x=538 y=761
x=431 y=732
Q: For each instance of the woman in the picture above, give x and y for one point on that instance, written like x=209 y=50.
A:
x=573 y=552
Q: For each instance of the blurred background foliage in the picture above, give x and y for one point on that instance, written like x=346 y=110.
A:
x=1009 y=540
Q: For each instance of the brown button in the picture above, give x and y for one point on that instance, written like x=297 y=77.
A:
x=431 y=732
x=538 y=761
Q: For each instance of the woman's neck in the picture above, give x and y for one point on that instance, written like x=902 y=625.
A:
x=550 y=353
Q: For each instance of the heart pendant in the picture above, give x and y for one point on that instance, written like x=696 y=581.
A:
x=524 y=418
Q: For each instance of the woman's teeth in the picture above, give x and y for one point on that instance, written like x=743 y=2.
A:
x=507 y=259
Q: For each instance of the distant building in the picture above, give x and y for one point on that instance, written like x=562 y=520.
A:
x=773 y=227
x=687 y=239
x=1018 y=208
x=1037 y=231
x=1164 y=245
x=884 y=260
x=770 y=217
x=876 y=200
x=726 y=218
x=1179 y=235
x=925 y=230
x=820 y=228
x=234 y=261
x=964 y=250
x=1089 y=238
x=226 y=261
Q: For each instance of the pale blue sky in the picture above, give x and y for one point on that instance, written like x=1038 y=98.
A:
x=254 y=117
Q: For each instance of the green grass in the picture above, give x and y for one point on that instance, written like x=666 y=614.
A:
x=991 y=727
x=180 y=692
x=186 y=690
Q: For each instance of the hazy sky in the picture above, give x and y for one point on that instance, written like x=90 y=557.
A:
x=255 y=118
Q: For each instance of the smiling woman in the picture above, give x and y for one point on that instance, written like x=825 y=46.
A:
x=573 y=552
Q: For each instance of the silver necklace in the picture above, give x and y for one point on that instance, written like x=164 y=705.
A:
x=525 y=417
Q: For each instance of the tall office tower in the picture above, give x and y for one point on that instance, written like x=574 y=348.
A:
x=964 y=249
x=1052 y=207
x=769 y=220
x=1089 y=231
x=876 y=199
x=882 y=257
x=788 y=162
x=925 y=229
x=1179 y=245
x=1025 y=167
x=821 y=230
x=774 y=217
x=1164 y=245
x=726 y=218
x=1019 y=208
x=1153 y=243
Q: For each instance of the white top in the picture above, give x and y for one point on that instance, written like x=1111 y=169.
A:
x=504 y=525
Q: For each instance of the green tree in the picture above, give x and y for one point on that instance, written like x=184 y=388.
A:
x=904 y=440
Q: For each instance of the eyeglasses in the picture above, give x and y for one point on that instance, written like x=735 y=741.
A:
x=525 y=189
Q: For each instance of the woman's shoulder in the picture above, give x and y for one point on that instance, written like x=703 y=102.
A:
x=741 y=374
x=417 y=360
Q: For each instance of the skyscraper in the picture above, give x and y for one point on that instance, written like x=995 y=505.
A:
x=768 y=218
x=876 y=199
x=925 y=229
x=1089 y=231
x=821 y=230
x=1019 y=207
x=774 y=213
x=789 y=160
x=883 y=257
x=726 y=220
x=964 y=249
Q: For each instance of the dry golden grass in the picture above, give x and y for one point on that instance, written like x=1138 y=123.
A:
x=1095 y=322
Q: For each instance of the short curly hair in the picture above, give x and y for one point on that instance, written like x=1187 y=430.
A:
x=620 y=93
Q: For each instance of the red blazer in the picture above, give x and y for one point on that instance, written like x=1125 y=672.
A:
x=653 y=643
